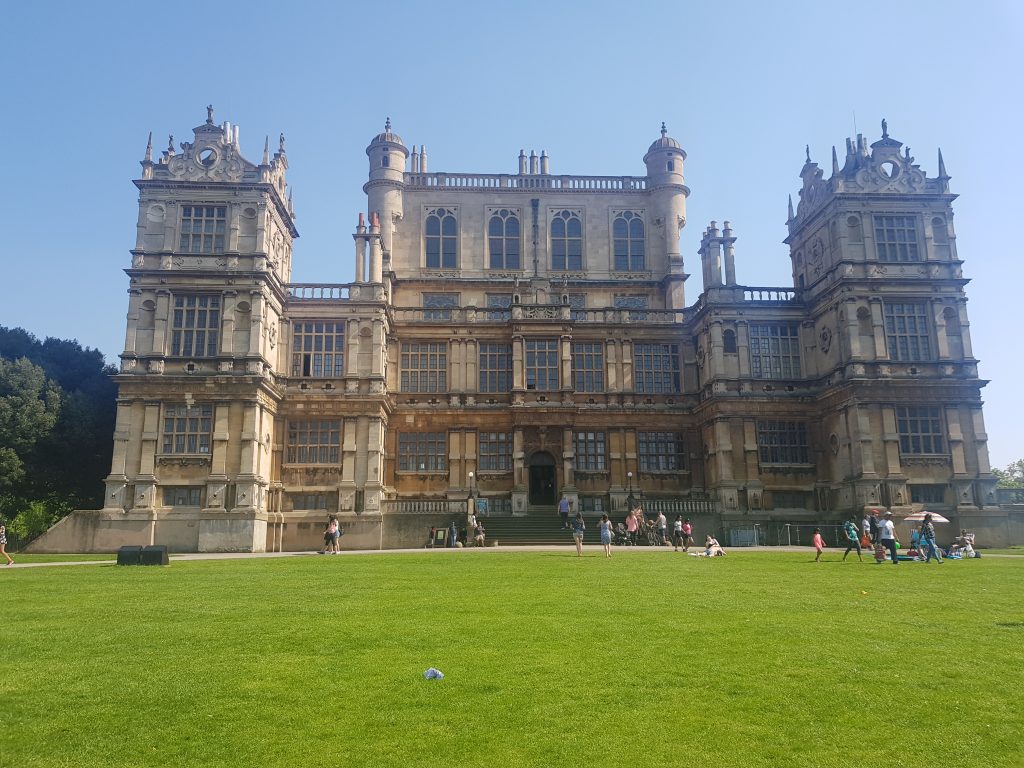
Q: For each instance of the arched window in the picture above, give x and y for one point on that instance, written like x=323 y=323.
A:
x=853 y=230
x=729 y=341
x=628 y=236
x=566 y=241
x=441 y=237
x=503 y=239
x=940 y=234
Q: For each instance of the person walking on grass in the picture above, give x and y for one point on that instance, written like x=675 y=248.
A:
x=687 y=534
x=927 y=540
x=3 y=543
x=578 y=527
x=605 y=527
x=677 y=533
x=852 y=540
x=887 y=536
x=819 y=544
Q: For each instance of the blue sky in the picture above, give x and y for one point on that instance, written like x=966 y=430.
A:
x=742 y=85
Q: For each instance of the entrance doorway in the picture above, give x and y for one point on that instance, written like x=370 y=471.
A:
x=542 y=479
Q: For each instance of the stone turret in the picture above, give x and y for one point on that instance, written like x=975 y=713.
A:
x=664 y=161
x=387 y=154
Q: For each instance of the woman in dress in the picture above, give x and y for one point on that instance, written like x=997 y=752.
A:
x=605 y=526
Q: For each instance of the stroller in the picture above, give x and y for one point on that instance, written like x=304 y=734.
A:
x=621 y=536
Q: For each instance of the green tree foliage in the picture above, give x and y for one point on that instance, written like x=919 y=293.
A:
x=1012 y=476
x=60 y=461
x=29 y=405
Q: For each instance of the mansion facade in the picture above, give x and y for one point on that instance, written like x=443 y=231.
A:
x=516 y=337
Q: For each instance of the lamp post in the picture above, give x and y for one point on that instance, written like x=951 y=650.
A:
x=630 y=500
x=472 y=491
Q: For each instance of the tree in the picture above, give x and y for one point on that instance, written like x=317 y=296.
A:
x=29 y=407
x=1012 y=476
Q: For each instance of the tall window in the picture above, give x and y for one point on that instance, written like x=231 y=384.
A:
x=566 y=241
x=187 y=430
x=920 y=429
x=635 y=304
x=628 y=241
x=588 y=366
x=503 y=239
x=424 y=367
x=661 y=451
x=498 y=306
x=578 y=303
x=439 y=306
x=783 y=442
x=317 y=441
x=495 y=367
x=542 y=364
x=441 y=238
x=656 y=368
x=495 y=453
x=589 y=451
x=896 y=238
x=195 y=325
x=422 y=452
x=203 y=228
x=318 y=349
x=774 y=351
x=906 y=331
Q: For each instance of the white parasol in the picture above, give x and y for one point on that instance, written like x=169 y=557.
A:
x=918 y=517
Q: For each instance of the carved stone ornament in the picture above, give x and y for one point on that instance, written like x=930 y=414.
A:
x=833 y=443
x=826 y=339
x=272 y=336
x=207 y=162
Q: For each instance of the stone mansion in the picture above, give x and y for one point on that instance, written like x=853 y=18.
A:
x=516 y=337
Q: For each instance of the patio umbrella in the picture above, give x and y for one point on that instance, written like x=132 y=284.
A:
x=918 y=517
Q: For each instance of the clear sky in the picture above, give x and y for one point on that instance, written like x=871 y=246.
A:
x=742 y=85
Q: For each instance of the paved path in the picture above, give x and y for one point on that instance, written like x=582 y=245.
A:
x=473 y=551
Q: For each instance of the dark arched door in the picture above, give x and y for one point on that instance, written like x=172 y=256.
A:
x=542 y=479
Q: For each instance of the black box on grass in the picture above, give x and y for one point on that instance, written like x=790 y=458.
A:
x=129 y=555
x=155 y=554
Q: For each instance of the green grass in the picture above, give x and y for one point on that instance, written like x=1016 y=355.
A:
x=650 y=659
x=23 y=558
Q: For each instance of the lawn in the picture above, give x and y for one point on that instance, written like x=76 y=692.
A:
x=648 y=659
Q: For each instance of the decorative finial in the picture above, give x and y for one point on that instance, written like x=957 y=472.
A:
x=664 y=130
x=170 y=143
x=790 y=207
x=942 y=167
x=885 y=129
x=266 y=151
x=149 y=148
x=835 y=161
x=387 y=125
x=280 y=143
x=209 y=114
x=907 y=154
x=807 y=149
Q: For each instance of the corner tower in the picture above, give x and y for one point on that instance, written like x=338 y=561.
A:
x=665 y=180
x=874 y=254
x=387 y=155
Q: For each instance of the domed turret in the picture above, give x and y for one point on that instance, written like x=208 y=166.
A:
x=387 y=154
x=664 y=160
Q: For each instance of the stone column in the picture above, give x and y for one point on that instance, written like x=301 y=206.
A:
x=134 y=301
x=627 y=366
x=613 y=376
x=227 y=323
x=145 y=481
x=956 y=440
x=743 y=347
x=115 y=497
x=891 y=441
x=161 y=317
x=882 y=351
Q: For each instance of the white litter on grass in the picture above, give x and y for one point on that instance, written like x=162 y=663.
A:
x=434 y=674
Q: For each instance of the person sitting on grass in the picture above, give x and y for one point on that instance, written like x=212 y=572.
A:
x=712 y=548
x=478 y=538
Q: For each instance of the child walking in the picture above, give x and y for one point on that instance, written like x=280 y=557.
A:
x=819 y=544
